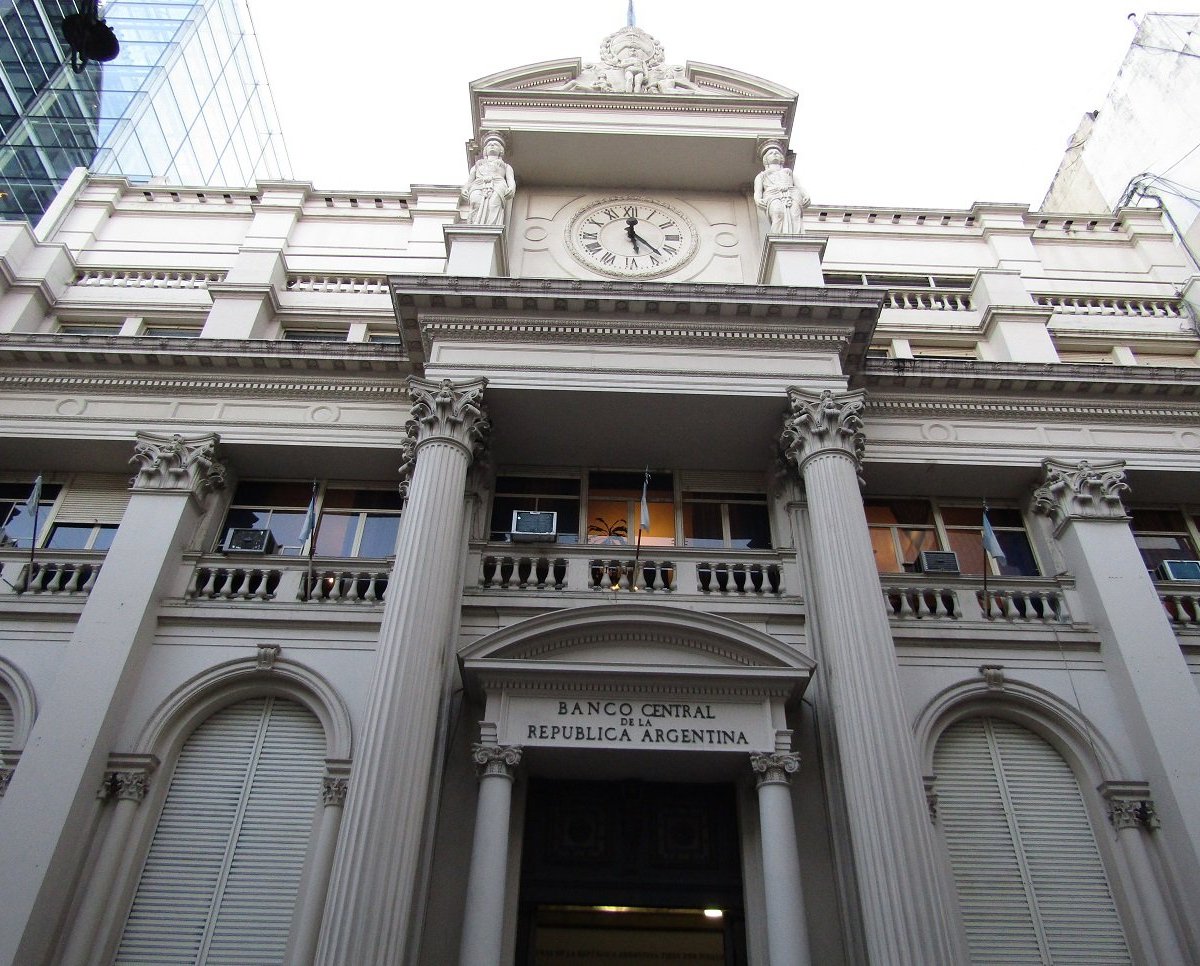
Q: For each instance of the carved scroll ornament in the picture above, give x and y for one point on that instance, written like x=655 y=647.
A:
x=496 y=759
x=820 y=422
x=1081 y=490
x=444 y=410
x=773 y=768
x=178 y=463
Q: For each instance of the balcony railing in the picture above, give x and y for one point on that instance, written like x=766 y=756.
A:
x=51 y=574
x=1023 y=600
x=1181 y=602
x=326 y=581
x=674 y=570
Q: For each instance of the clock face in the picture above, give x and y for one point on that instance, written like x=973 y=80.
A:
x=631 y=238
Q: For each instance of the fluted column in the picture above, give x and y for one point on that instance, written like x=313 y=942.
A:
x=787 y=930
x=904 y=922
x=367 y=917
x=51 y=800
x=1154 y=691
x=483 y=923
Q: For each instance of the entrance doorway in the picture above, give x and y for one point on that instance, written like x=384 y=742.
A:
x=630 y=872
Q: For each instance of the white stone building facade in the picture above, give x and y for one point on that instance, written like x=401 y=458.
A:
x=375 y=661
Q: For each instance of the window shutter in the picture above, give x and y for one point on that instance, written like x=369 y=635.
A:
x=1031 y=884
x=220 y=881
x=94 y=498
x=8 y=723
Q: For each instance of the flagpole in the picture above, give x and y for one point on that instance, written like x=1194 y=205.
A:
x=987 y=601
x=36 y=499
x=312 y=536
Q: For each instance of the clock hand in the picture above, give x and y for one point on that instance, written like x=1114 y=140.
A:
x=635 y=238
x=631 y=233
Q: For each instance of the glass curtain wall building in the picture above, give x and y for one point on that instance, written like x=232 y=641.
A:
x=185 y=102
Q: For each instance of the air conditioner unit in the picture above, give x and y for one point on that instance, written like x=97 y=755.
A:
x=937 y=562
x=248 y=541
x=533 y=526
x=1178 y=570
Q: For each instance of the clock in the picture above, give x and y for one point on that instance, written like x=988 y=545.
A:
x=631 y=238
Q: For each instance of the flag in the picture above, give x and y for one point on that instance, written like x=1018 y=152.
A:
x=310 y=518
x=644 y=523
x=35 y=498
x=990 y=543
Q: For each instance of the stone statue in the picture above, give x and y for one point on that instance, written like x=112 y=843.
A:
x=634 y=53
x=671 y=80
x=490 y=184
x=777 y=193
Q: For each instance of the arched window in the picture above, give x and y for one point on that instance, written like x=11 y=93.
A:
x=1030 y=881
x=220 y=880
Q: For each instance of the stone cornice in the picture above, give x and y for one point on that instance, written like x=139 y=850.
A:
x=670 y=310
x=262 y=355
x=999 y=407
x=176 y=385
x=1058 y=378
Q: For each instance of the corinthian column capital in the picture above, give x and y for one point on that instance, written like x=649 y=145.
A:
x=176 y=462
x=823 y=422
x=1082 y=490
x=447 y=411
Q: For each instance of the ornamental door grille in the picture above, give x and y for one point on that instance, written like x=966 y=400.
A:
x=620 y=869
x=1031 y=884
x=220 y=881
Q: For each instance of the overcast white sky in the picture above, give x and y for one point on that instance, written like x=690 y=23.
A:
x=920 y=103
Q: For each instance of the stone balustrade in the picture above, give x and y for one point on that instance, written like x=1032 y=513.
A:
x=324 y=582
x=51 y=573
x=914 y=597
x=680 y=570
x=1182 y=604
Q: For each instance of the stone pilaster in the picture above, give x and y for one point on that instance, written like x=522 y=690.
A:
x=483 y=924
x=368 y=917
x=904 y=921
x=334 y=786
x=1153 y=689
x=125 y=784
x=50 y=801
x=787 y=931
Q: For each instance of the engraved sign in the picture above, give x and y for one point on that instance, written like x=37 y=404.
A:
x=666 y=723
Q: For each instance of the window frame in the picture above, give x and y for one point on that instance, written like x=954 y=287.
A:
x=942 y=530
x=1191 y=531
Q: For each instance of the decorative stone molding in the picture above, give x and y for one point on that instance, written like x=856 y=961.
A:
x=496 y=759
x=446 y=411
x=268 y=654
x=1130 y=805
x=931 y=797
x=178 y=463
x=993 y=674
x=823 y=422
x=774 y=767
x=127 y=778
x=333 y=790
x=1081 y=491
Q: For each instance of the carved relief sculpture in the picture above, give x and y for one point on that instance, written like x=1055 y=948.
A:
x=1082 y=489
x=178 y=462
x=490 y=184
x=819 y=422
x=632 y=62
x=777 y=193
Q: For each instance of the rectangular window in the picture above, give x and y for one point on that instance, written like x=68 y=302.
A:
x=315 y=335
x=614 y=509
x=81 y=536
x=901 y=529
x=1163 y=535
x=726 y=520
x=554 y=494
x=16 y=520
x=351 y=522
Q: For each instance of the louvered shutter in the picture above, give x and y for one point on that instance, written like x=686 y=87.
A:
x=1030 y=881
x=8 y=723
x=220 y=880
x=94 y=498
